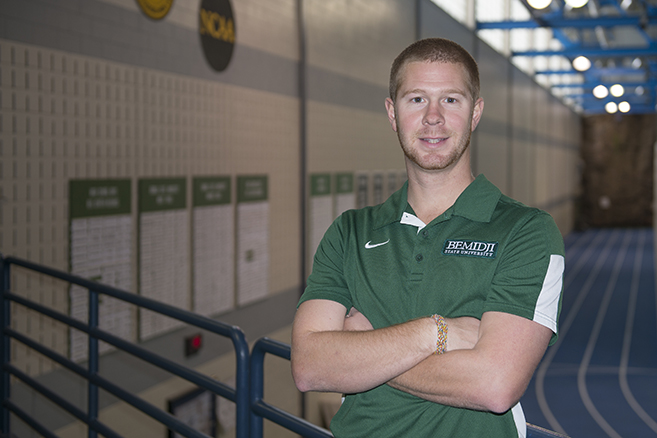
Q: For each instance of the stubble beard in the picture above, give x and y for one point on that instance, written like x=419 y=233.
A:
x=433 y=160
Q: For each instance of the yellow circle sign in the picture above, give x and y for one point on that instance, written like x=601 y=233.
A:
x=155 y=9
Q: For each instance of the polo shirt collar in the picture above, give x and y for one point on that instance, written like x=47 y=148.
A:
x=478 y=200
x=477 y=203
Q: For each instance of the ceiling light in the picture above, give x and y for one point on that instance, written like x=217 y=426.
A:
x=637 y=63
x=617 y=90
x=624 y=107
x=626 y=4
x=539 y=4
x=639 y=90
x=581 y=63
x=600 y=92
x=576 y=3
x=611 y=107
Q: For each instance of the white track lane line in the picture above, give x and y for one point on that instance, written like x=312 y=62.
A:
x=627 y=339
x=593 y=339
x=570 y=318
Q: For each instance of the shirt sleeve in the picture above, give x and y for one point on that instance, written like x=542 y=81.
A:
x=529 y=278
x=327 y=280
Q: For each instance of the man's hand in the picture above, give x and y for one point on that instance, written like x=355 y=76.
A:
x=462 y=333
x=356 y=321
x=327 y=357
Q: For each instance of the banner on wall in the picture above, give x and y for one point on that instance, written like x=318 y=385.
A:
x=213 y=240
x=217 y=31
x=345 y=198
x=252 y=238
x=100 y=250
x=320 y=210
x=163 y=250
x=155 y=9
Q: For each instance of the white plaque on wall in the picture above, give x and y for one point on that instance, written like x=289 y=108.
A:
x=163 y=251
x=252 y=238
x=213 y=268
x=100 y=250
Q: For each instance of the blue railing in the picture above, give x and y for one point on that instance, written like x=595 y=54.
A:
x=239 y=394
x=251 y=409
x=261 y=409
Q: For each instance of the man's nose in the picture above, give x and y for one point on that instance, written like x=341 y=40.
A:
x=433 y=114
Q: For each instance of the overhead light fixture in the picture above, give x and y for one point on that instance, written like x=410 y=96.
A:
x=539 y=4
x=626 y=4
x=581 y=63
x=600 y=92
x=639 y=90
x=624 y=107
x=576 y=3
x=617 y=90
x=637 y=63
x=611 y=107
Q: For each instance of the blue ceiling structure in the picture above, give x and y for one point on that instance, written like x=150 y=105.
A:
x=619 y=37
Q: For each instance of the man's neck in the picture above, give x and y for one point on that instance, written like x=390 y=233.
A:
x=430 y=194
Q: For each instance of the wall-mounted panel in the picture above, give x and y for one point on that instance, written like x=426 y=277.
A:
x=164 y=271
x=491 y=156
x=523 y=122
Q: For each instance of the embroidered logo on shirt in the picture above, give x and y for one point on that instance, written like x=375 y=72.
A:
x=470 y=248
x=370 y=245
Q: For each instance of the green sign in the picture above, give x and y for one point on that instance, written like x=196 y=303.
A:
x=211 y=191
x=320 y=184
x=162 y=194
x=103 y=197
x=344 y=183
x=252 y=188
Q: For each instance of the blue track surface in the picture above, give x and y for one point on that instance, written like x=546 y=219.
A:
x=600 y=378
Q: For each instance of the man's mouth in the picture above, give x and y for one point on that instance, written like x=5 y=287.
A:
x=434 y=140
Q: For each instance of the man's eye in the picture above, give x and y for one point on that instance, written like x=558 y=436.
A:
x=416 y=99
x=450 y=100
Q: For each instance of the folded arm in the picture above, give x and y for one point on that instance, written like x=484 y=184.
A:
x=492 y=376
x=326 y=357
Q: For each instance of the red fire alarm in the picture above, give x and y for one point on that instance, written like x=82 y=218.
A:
x=193 y=344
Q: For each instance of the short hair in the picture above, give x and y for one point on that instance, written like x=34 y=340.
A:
x=435 y=50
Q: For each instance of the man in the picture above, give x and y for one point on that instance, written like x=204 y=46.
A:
x=447 y=243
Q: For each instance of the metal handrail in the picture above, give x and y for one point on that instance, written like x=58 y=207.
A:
x=261 y=409
x=239 y=394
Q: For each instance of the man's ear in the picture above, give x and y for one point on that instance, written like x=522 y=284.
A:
x=476 y=113
x=390 y=108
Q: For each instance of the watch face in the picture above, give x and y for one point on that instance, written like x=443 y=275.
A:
x=155 y=9
x=217 y=30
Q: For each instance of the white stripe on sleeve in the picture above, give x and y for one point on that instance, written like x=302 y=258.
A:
x=547 y=305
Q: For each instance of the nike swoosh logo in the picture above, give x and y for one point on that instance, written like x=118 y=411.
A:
x=370 y=245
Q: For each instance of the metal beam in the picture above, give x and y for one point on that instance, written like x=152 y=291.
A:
x=579 y=23
x=644 y=84
x=593 y=71
x=593 y=52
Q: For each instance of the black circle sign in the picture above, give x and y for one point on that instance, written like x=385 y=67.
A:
x=217 y=30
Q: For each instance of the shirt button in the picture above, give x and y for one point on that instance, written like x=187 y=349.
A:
x=425 y=233
x=419 y=257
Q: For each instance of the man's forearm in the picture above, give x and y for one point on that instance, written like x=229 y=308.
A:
x=491 y=377
x=448 y=379
x=356 y=361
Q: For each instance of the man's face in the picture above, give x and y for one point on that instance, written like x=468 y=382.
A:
x=434 y=115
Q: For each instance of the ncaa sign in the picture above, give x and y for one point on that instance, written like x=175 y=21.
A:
x=217 y=31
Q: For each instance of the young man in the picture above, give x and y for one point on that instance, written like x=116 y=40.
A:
x=432 y=310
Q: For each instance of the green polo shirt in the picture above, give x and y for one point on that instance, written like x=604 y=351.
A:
x=485 y=253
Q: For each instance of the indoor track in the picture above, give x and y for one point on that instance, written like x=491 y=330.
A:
x=600 y=378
